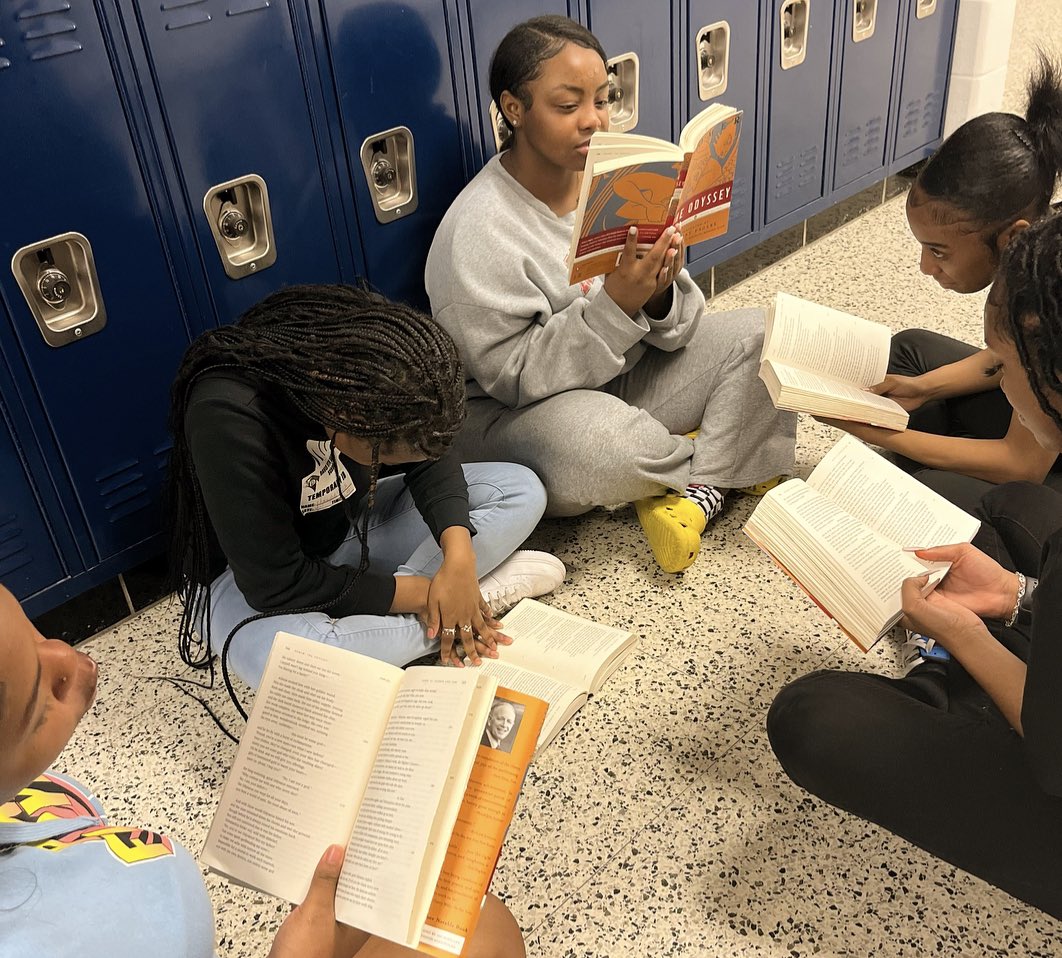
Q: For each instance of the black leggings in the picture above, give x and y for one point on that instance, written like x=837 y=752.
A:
x=984 y=415
x=930 y=757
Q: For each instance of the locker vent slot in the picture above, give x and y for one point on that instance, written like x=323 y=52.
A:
x=246 y=6
x=123 y=490
x=47 y=31
x=14 y=553
x=185 y=13
x=795 y=172
x=4 y=61
x=861 y=140
x=922 y=112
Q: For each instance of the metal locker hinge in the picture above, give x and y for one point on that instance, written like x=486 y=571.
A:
x=623 y=74
x=57 y=277
x=390 y=166
x=864 y=19
x=713 y=59
x=925 y=8
x=794 y=25
x=242 y=226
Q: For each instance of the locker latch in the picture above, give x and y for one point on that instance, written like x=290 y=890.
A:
x=623 y=73
x=57 y=277
x=242 y=225
x=713 y=59
x=864 y=18
x=925 y=8
x=794 y=26
x=390 y=166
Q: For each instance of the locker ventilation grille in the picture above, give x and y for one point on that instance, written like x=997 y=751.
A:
x=47 y=30
x=922 y=112
x=862 y=140
x=795 y=172
x=124 y=490
x=246 y=6
x=185 y=13
x=14 y=553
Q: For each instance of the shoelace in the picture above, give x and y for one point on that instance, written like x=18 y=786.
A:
x=498 y=599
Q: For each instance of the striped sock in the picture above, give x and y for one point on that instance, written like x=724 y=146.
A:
x=708 y=498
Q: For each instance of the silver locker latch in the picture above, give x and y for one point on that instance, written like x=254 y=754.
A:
x=241 y=224
x=864 y=19
x=794 y=26
x=925 y=8
x=390 y=166
x=623 y=74
x=713 y=59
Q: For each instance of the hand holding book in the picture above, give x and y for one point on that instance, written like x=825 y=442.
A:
x=639 y=280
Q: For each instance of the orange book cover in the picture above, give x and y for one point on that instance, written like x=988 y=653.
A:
x=488 y=806
x=693 y=191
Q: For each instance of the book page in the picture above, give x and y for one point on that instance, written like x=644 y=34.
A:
x=562 y=646
x=871 y=408
x=302 y=764
x=386 y=854
x=826 y=341
x=486 y=809
x=888 y=500
x=562 y=701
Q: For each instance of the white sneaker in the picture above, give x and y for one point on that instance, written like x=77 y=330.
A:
x=525 y=574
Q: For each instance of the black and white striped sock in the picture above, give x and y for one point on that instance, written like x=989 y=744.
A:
x=708 y=498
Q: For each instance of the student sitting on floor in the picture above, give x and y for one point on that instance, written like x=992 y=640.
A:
x=989 y=180
x=965 y=758
x=71 y=884
x=282 y=424
x=594 y=386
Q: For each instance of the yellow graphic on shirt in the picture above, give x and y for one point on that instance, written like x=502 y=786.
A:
x=48 y=799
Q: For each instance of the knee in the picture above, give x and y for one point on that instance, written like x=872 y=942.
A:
x=522 y=483
x=744 y=327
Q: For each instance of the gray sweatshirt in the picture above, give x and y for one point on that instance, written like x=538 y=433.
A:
x=497 y=278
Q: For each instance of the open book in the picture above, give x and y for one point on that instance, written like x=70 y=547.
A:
x=840 y=536
x=634 y=180
x=343 y=749
x=820 y=361
x=557 y=657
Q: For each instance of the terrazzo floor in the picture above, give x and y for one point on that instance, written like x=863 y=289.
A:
x=659 y=822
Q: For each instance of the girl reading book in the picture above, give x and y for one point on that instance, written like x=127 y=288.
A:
x=989 y=180
x=284 y=426
x=595 y=386
x=965 y=758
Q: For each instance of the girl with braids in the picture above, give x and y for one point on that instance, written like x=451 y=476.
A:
x=285 y=425
x=989 y=180
x=965 y=758
x=594 y=386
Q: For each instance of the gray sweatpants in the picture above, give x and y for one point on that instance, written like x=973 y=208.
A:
x=625 y=441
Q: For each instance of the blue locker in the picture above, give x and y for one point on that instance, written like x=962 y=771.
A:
x=487 y=22
x=868 y=51
x=412 y=83
x=650 y=39
x=736 y=35
x=799 y=71
x=98 y=404
x=924 y=82
x=233 y=100
x=29 y=558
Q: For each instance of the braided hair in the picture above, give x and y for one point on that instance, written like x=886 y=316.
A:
x=999 y=167
x=1029 y=291
x=345 y=358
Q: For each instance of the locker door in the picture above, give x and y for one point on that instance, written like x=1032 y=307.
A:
x=799 y=71
x=402 y=53
x=868 y=52
x=487 y=23
x=924 y=82
x=649 y=38
x=99 y=402
x=233 y=98
x=723 y=54
x=29 y=560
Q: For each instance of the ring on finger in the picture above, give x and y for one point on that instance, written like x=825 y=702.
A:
x=466 y=629
x=448 y=632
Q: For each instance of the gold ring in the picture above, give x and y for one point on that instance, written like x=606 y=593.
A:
x=450 y=632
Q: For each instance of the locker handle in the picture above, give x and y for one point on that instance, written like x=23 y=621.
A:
x=794 y=16
x=623 y=92
x=58 y=279
x=925 y=8
x=242 y=225
x=864 y=19
x=390 y=165
x=712 y=44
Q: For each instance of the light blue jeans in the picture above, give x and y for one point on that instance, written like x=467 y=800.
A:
x=505 y=503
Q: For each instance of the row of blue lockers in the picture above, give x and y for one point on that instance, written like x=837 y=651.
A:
x=169 y=163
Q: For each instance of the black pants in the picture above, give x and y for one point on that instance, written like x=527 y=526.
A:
x=930 y=757
x=984 y=415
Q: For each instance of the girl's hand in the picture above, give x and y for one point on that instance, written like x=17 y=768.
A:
x=909 y=391
x=876 y=435
x=949 y=622
x=637 y=281
x=975 y=581
x=456 y=612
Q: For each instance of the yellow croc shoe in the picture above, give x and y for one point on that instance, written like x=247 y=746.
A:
x=673 y=525
x=762 y=488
